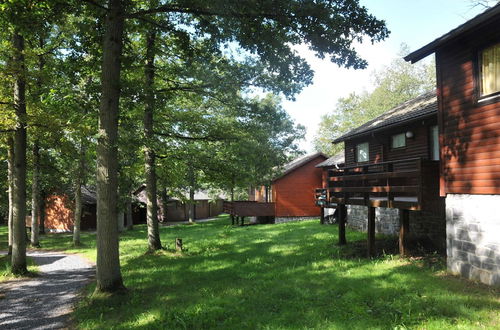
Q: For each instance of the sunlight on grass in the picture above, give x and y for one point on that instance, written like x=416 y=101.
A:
x=284 y=276
x=5 y=269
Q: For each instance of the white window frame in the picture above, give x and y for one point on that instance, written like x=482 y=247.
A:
x=482 y=93
x=393 y=139
x=434 y=145
x=362 y=157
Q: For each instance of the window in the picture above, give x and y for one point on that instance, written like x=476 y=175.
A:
x=398 y=141
x=362 y=152
x=434 y=143
x=490 y=70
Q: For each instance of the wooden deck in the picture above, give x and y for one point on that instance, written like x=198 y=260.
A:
x=410 y=184
x=249 y=209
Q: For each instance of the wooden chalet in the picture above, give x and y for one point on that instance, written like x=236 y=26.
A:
x=468 y=93
x=177 y=208
x=58 y=212
x=290 y=195
x=391 y=161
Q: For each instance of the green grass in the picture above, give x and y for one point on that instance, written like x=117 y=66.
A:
x=287 y=276
x=5 y=269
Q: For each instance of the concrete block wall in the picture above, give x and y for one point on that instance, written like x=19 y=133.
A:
x=423 y=225
x=473 y=236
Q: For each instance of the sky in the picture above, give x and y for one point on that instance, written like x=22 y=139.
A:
x=414 y=22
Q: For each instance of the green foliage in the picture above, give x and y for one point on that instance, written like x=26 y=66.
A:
x=269 y=276
x=394 y=84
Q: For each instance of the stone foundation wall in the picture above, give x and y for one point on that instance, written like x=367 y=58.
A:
x=386 y=220
x=428 y=226
x=473 y=236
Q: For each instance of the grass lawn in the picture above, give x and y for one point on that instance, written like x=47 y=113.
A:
x=286 y=276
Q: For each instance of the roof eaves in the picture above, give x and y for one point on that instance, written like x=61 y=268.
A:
x=383 y=127
x=465 y=27
x=299 y=164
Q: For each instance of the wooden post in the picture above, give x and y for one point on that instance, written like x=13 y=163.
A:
x=178 y=244
x=371 y=231
x=404 y=229
x=322 y=216
x=242 y=221
x=232 y=219
x=341 y=211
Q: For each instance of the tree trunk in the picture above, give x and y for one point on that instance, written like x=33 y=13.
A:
x=191 y=215
x=78 y=212
x=10 y=174
x=154 y=242
x=35 y=197
x=19 y=178
x=80 y=172
x=42 y=212
x=121 y=221
x=108 y=274
x=164 y=201
x=130 y=220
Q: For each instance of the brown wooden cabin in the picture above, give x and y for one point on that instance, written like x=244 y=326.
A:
x=176 y=208
x=391 y=161
x=468 y=93
x=58 y=212
x=290 y=196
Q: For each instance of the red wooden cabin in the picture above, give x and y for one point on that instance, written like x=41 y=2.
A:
x=291 y=195
x=468 y=89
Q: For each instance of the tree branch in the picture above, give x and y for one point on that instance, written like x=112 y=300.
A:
x=192 y=138
x=93 y=3
x=200 y=12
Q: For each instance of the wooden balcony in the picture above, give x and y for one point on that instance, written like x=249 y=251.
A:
x=410 y=184
x=249 y=209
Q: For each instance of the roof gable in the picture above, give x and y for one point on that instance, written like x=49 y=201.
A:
x=299 y=162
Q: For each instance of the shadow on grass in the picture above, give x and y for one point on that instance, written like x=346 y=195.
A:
x=280 y=276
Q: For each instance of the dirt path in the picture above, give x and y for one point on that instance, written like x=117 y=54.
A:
x=45 y=301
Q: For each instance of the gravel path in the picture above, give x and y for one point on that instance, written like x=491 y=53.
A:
x=45 y=301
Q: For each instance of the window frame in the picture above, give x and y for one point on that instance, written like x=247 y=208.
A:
x=486 y=98
x=433 y=144
x=367 y=152
x=392 y=141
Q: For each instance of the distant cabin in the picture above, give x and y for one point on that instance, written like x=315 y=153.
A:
x=290 y=195
x=177 y=208
x=58 y=214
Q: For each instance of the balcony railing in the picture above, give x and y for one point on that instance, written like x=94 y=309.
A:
x=248 y=208
x=411 y=184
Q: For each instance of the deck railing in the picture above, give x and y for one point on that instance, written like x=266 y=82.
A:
x=248 y=208
x=411 y=184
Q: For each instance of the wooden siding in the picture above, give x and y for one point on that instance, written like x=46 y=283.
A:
x=294 y=192
x=469 y=130
x=380 y=149
x=59 y=214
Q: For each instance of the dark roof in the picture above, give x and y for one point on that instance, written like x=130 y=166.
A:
x=88 y=196
x=335 y=160
x=467 y=26
x=422 y=106
x=298 y=162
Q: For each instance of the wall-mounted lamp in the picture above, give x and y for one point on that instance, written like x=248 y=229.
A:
x=409 y=134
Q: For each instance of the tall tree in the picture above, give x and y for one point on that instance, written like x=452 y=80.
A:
x=108 y=274
x=19 y=177
x=35 y=196
x=154 y=242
